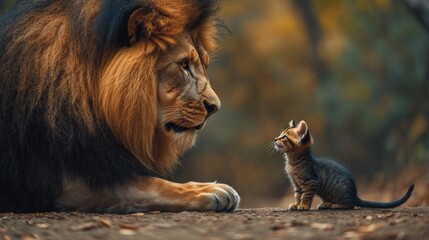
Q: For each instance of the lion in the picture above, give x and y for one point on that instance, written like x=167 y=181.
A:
x=98 y=100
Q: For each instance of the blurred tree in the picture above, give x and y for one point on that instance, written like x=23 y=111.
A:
x=320 y=69
x=420 y=9
x=379 y=126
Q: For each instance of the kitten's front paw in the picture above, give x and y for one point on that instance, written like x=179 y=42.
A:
x=303 y=207
x=293 y=207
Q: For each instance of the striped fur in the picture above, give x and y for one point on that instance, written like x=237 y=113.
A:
x=326 y=178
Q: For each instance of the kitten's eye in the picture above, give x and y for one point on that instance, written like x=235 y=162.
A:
x=283 y=137
x=185 y=63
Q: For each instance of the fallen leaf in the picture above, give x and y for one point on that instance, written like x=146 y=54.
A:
x=85 y=226
x=322 y=226
x=385 y=216
x=295 y=223
x=370 y=228
x=127 y=232
x=137 y=214
x=129 y=226
x=42 y=225
x=104 y=221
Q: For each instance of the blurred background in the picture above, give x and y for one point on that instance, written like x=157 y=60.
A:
x=356 y=71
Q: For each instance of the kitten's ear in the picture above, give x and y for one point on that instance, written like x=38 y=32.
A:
x=302 y=131
x=292 y=124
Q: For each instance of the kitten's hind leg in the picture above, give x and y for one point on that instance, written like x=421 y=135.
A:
x=325 y=206
x=342 y=206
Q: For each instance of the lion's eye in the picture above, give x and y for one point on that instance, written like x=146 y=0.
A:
x=185 y=64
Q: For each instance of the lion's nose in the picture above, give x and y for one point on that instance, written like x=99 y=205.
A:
x=211 y=108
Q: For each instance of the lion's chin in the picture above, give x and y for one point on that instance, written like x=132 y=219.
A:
x=181 y=140
x=184 y=140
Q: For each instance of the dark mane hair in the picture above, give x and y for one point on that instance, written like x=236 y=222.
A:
x=52 y=121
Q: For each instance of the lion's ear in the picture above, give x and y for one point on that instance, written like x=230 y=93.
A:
x=154 y=25
x=136 y=28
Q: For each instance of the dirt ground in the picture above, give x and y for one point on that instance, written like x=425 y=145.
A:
x=243 y=224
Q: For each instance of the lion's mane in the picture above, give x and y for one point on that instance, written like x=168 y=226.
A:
x=76 y=97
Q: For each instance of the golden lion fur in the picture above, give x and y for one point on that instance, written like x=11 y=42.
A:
x=121 y=90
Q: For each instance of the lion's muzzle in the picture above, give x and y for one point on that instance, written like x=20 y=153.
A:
x=210 y=108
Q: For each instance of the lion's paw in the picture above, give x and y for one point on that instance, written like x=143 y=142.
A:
x=218 y=197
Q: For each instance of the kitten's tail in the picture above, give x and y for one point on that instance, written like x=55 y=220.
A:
x=362 y=203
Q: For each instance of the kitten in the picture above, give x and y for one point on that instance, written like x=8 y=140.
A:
x=325 y=178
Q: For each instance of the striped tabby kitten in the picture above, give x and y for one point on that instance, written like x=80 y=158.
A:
x=325 y=178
